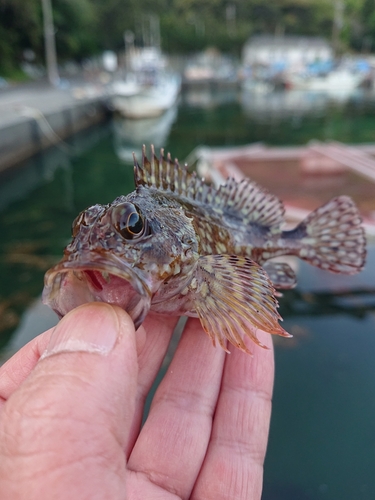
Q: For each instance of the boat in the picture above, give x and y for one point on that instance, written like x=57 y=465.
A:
x=302 y=176
x=148 y=88
x=340 y=81
x=138 y=100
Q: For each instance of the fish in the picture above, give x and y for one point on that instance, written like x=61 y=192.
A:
x=179 y=246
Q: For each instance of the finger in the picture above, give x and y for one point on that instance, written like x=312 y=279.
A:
x=19 y=366
x=173 y=442
x=157 y=330
x=233 y=466
x=71 y=416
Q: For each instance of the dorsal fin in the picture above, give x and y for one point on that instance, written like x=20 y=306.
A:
x=168 y=175
x=245 y=198
x=254 y=203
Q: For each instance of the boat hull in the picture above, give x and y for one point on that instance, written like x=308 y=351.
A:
x=149 y=102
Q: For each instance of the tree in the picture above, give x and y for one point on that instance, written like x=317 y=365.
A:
x=20 y=29
x=86 y=27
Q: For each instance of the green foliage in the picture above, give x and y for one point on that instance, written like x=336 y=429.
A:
x=75 y=24
x=86 y=27
x=20 y=29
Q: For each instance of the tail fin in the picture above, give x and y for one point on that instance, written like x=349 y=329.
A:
x=332 y=237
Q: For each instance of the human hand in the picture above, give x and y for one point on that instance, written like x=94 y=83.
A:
x=71 y=404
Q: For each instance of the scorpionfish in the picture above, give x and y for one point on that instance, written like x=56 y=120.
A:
x=179 y=246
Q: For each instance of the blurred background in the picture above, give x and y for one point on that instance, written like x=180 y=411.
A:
x=282 y=92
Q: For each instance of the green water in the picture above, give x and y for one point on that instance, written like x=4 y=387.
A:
x=322 y=440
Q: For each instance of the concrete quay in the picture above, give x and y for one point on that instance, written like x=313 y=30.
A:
x=35 y=116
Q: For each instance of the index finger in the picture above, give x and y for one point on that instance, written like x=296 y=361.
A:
x=19 y=366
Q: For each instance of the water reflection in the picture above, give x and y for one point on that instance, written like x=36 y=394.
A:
x=129 y=135
x=207 y=97
x=281 y=105
x=41 y=168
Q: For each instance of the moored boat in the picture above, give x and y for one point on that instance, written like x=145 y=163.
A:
x=148 y=100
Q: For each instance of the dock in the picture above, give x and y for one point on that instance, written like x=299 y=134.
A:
x=35 y=116
x=304 y=177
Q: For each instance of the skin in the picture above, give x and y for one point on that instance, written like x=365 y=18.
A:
x=70 y=422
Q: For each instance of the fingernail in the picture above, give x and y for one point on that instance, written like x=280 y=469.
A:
x=89 y=328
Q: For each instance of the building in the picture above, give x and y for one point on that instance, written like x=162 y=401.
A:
x=289 y=51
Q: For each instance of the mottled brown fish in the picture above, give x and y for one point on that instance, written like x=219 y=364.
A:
x=179 y=246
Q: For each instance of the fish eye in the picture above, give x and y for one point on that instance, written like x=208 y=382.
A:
x=129 y=222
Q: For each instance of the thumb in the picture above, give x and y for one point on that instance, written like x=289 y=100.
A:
x=63 y=431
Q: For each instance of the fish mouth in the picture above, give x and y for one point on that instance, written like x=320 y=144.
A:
x=93 y=278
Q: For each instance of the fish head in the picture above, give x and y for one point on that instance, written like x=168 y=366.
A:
x=121 y=254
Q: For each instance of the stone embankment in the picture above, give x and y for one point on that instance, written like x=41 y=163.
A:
x=36 y=116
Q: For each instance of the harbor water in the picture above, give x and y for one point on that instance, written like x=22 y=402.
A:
x=322 y=438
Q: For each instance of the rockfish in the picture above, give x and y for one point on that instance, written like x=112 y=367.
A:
x=178 y=246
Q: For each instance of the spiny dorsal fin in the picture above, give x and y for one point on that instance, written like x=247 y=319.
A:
x=245 y=198
x=253 y=202
x=168 y=175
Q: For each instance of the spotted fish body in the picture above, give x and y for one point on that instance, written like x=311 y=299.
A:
x=179 y=246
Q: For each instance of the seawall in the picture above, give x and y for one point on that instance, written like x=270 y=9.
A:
x=33 y=118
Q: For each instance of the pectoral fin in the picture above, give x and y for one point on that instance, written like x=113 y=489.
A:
x=233 y=297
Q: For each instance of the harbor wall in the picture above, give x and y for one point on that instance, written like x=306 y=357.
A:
x=33 y=133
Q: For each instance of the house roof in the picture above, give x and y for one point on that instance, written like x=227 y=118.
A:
x=286 y=41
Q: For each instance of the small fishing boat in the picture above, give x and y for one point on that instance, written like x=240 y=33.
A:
x=340 y=81
x=148 y=88
x=134 y=99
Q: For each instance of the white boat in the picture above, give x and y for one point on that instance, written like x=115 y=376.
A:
x=128 y=87
x=148 y=89
x=337 y=82
x=146 y=100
